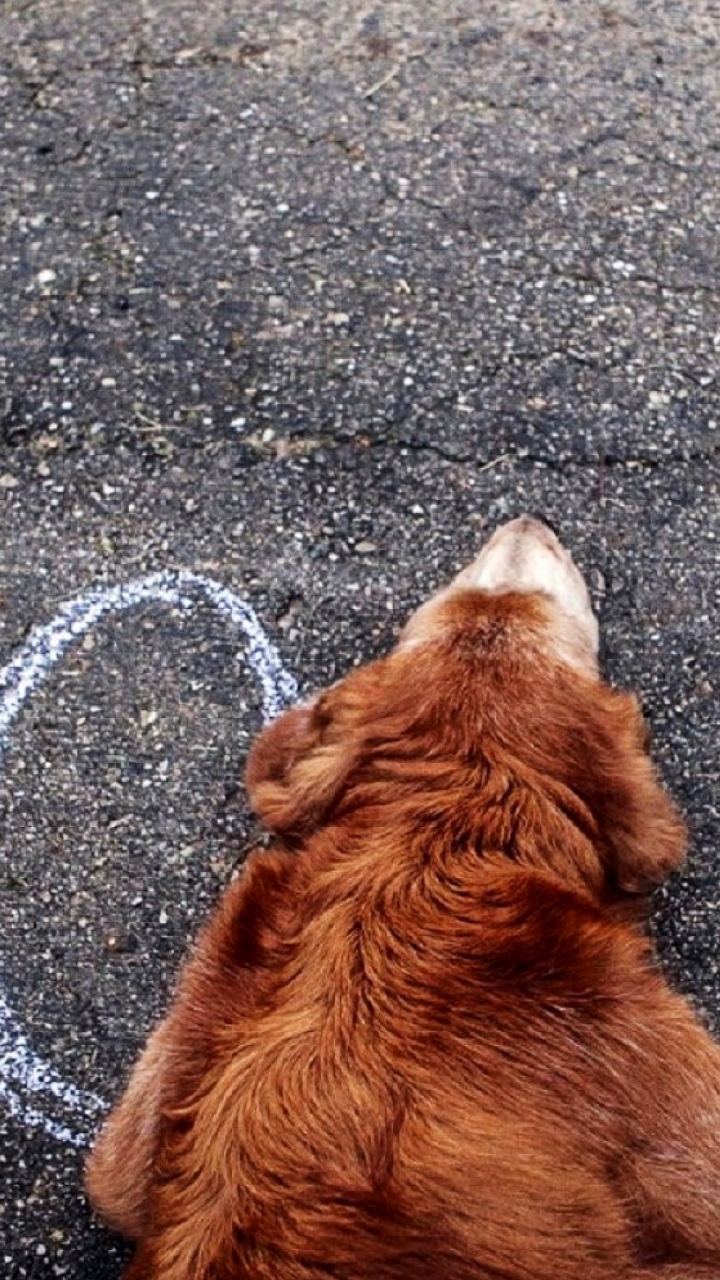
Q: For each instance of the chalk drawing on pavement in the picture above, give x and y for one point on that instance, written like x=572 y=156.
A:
x=32 y=1089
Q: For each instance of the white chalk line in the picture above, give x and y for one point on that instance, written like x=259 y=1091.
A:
x=18 y=1062
x=46 y=644
x=20 y=1066
x=34 y=1119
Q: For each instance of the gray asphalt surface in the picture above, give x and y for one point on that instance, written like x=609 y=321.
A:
x=307 y=298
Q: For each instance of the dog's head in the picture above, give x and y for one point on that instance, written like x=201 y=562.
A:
x=488 y=723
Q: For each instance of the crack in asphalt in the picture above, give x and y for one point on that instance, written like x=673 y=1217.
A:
x=605 y=460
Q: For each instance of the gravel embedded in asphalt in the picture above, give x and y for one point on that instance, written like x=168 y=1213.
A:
x=307 y=302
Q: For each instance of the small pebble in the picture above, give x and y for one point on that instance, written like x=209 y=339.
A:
x=119 y=942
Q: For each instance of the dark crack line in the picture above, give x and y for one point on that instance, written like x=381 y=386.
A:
x=609 y=460
x=591 y=144
x=604 y=461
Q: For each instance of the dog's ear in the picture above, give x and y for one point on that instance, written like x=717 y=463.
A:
x=297 y=767
x=593 y=739
x=641 y=823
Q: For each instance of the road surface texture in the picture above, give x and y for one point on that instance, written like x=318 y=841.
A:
x=304 y=299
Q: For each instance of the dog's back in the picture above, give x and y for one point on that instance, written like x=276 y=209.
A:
x=423 y=1035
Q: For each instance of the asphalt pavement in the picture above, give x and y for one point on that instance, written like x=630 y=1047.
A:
x=301 y=301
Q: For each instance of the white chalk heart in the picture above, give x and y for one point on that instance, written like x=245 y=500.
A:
x=23 y=1073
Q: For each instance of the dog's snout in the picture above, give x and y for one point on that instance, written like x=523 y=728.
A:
x=526 y=555
x=522 y=555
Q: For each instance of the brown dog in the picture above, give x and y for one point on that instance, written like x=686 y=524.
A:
x=424 y=1035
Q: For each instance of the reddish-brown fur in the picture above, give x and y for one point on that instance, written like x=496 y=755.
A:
x=424 y=1035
